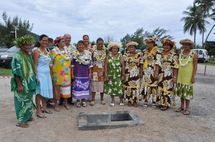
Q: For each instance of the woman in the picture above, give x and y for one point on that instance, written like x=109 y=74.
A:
x=186 y=75
x=166 y=73
x=98 y=71
x=80 y=73
x=61 y=71
x=23 y=81
x=149 y=83
x=132 y=73
x=114 y=65
x=42 y=61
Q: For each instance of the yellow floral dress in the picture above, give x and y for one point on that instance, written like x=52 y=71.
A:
x=61 y=69
x=149 y=83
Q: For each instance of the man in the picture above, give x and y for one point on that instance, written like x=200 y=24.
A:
x=23 y=81
x=87 y=43
x=68 y=45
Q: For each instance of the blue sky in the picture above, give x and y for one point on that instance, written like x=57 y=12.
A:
x=101 y=18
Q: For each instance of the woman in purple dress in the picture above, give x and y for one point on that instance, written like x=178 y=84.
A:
x=80 y=73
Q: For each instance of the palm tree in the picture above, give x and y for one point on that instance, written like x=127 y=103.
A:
x=193 y=21
x=205 y=6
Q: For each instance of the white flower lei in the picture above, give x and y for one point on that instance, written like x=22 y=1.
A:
x=188 y=60
x=65 y=53
x=83 y=58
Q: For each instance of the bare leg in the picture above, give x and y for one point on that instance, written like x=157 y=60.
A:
x=187 y=104
x=112 y=99
x=39 y=108
x=92 y=103
x=66 y=104
x=57 y=97
x=102 y=98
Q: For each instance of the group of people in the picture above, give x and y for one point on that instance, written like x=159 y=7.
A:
x=64 y=73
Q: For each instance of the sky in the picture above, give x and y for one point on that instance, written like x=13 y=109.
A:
x=101 y=18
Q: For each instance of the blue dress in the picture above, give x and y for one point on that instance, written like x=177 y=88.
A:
x=44 y=86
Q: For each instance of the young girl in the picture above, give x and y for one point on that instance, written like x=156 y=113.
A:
x=80 y=73
x=132 y=73
x=114 y=65
x=186 y=75
x=98 y=71
x=23 y=81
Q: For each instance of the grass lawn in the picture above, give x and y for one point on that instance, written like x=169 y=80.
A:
x=5 y=72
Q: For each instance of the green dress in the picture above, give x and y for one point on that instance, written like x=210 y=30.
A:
x=22 y=67
x=114 y=85
x=184 y=88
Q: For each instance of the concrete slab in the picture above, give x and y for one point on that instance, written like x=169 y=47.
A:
x=93 y=121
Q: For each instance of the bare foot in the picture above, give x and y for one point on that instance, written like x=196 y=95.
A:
x=22 y=125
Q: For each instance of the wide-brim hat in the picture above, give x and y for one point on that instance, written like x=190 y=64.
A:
x=150 y=39
x=112 y=44
x=132 y=43
x=168 y=42
x=187 y=41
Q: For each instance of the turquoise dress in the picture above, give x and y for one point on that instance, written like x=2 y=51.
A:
x=44 y=86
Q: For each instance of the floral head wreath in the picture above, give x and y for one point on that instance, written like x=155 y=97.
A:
x=26 y=39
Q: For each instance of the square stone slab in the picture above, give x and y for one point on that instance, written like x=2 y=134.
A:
x=93 y=121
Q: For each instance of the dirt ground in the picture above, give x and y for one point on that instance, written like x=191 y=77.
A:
x=159 y=126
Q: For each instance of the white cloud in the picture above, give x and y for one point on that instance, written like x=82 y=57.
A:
x=100 y=18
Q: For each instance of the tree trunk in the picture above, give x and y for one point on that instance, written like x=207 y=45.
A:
x=194 y=37
x=208 y=35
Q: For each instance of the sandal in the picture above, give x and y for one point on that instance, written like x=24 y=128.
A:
x=92 y=103
x=41 y=116
x=47 y=111
x=22 y=125
x=164 y=108
x=186 y=112
x=78 y=104
x=112 y=104
x=121 y=104
x=180 y=109
x=103 y=102
x=31 y=119
x=66 y=107
x=84 y=104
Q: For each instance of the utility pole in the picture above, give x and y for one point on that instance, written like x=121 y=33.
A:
x=15 y=31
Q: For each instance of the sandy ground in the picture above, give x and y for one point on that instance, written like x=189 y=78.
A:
x=158 y=126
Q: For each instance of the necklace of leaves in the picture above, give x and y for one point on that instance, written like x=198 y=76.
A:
x=182 y=56
x=100 y=55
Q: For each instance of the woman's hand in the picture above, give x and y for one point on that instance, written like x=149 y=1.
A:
x=193 y=80
x=107 y=78
x=20 y=88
